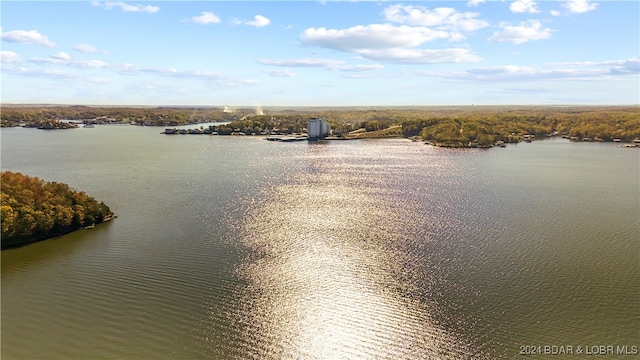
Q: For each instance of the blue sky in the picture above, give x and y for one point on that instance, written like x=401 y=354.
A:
x=370 y=53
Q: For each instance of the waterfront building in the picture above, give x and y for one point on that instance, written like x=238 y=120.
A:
x=318 y=128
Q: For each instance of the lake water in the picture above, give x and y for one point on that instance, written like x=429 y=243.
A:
x=236 y=248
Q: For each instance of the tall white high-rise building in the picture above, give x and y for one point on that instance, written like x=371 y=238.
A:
x=318 y=128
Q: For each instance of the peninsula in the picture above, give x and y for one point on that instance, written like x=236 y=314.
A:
x=35 y=210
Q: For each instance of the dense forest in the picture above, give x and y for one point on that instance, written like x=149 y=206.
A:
x=486 y=128
x=33 y=209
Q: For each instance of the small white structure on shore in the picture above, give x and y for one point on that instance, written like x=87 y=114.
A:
x=318 y=128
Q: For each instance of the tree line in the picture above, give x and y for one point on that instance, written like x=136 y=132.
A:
x=459 y=126
x=445 y=124
x=33 y=209
x=36 y=116
x=484 y=128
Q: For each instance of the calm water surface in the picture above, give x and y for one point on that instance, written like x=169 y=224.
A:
x=236 y=248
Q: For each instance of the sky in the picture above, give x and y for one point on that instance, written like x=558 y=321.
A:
x=320 y=53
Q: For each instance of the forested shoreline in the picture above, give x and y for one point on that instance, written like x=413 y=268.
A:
x=459 y=126
x=455 y=126
x=36 y=116
x=34 y=210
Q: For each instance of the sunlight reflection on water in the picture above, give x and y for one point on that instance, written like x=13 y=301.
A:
x=322 y=270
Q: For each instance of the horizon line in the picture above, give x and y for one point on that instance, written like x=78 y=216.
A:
x=307 y=106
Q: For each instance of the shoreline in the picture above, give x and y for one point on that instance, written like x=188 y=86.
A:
x=447 y=126
x=281 y=137
x=14 y=244
x=34 y=210
x=183 y=130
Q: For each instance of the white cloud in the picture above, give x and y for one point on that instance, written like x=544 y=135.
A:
x=421 y=56
x=631 y=66
x=526 y=31
x=98 y=80
x=586 y=70
x=359 y=68
x=579 y=6
x=305 y=62
x=132 y=69
x=49 y=73
x=554 y=13
x=456 y=36
x=390 y=43
x=9 y=57
x=206 y=17
x=57 y=73
x=259 y=21
x=85 y=48
x=475 y=2
x=506 y=70
x=523 y=6
x=27 y=37
x=127 y=7
x=399 y=43
x=50 y=60
x=443 y=18
x=619 y=67
x=94 y=64
x=61 y=56
x=281 y=73
x=124 y=69
x=374 y=36
x=333 y=65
